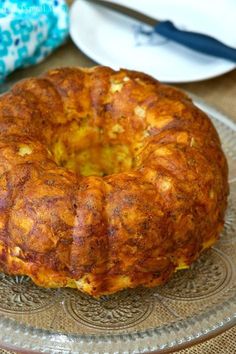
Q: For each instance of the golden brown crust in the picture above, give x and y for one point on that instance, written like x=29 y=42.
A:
x=155 y=198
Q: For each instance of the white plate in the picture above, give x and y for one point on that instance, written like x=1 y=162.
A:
x=115 y=40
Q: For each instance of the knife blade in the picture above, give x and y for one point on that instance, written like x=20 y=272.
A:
x=196 y=41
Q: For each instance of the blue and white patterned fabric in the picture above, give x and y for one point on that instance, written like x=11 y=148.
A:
x=29 y=31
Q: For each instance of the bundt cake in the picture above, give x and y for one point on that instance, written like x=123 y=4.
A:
x=108 y=180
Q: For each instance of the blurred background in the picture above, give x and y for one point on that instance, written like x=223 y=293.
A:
x=42 y=34
x=99 y=35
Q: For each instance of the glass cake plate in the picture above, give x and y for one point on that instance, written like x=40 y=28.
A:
x=195 y=305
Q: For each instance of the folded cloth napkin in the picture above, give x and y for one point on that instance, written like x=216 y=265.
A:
x=29 y=31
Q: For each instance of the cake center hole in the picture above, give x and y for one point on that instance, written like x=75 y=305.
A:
x=91 y=151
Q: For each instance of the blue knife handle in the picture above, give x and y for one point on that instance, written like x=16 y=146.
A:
x=196 y=41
